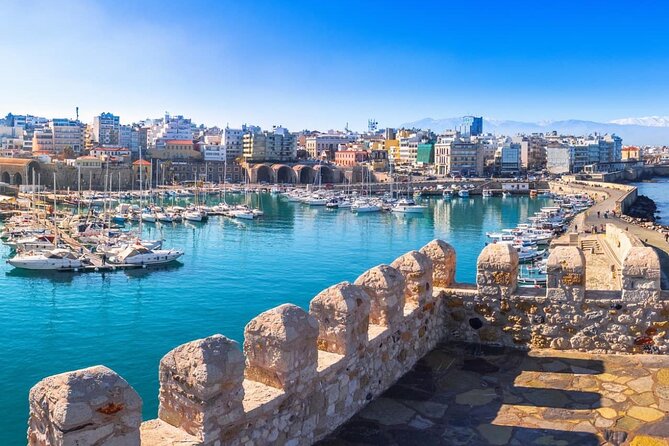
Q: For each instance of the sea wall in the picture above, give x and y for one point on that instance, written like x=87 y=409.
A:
x=601 y=190
x=300 y=374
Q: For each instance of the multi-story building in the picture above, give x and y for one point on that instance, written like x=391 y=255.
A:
x=276 y=145
x=559 y=159
x=509 y=158
x=325 y=145
x=409 y=148
x=631 y=153
x=171 y=128
x=176 y=149
x=233 y=140
x=471 y=126
x=425 y=153
x=113 y=154
x=457 y=155
x=350 y=158
x=107 y=129
x=213 y=152
x=60 y=135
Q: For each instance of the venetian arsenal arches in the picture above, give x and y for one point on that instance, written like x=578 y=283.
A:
x=18 y=171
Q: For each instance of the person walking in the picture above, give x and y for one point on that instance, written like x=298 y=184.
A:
x=666 y=237
x=598 y=214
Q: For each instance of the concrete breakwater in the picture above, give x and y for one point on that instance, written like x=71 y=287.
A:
x=301 y=374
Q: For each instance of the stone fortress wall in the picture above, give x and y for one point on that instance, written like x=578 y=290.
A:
x=301 y=374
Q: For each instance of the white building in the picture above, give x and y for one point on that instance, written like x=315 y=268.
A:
x=107 y=129
x=233 y=141
x=213 y=152
x=170 y=128
x=560 y=159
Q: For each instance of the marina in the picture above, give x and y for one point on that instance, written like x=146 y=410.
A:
x=230 y=272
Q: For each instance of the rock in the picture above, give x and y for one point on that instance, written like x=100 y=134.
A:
x=342 y=313
x=83 y=407
x=476 y=397
x=280 y=347
x=443 y=259
x=385 y=287
x=387 y=412
x=607 y=412
x=641 y=385
x=647 y=414
x=496 y=435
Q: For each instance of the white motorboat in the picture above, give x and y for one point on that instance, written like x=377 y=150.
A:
x=35 y=243
x=408 y=206
x=194 y=215
x=56 y=259
x=316 y=200
x=164 y=217
x=463 y=193
x=244 y=214
x=487 y=193
x=365 y=206
x=138 y=254
x=148 y=217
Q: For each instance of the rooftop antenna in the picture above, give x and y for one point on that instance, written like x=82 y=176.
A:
x=77 y=110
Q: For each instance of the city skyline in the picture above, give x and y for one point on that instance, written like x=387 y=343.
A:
x=319 y=66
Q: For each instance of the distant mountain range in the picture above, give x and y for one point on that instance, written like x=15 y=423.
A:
x=650 y=130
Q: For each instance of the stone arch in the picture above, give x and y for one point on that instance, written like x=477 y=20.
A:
x=327 y=174
x=284 y=174
x=304 y=174
x=16 y=171
x=263 y=174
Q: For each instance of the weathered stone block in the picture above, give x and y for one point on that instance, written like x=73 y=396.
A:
x=416 y=268
x=342 y=312
x=566 y=274
x=443 y=260
x=385 y=287
x=641 y=275
x=84 y=407
x=280 y=347
x=497 y=270
x=201 y=386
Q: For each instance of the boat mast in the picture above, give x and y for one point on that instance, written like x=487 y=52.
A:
x=79 y=189
x=55 y=226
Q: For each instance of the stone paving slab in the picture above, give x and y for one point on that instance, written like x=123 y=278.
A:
x=477 y=395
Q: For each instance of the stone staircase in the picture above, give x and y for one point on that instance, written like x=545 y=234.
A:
x=591 y=245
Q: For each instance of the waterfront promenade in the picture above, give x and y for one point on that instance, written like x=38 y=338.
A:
x=600 y=214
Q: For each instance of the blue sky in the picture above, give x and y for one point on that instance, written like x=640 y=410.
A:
x=319 y=64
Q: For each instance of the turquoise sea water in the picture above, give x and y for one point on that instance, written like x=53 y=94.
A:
x=658 y=191
x=232 y=271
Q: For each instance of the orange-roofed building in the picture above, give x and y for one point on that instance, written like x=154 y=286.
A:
x=631 y=153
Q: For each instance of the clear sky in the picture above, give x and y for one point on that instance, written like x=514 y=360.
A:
x=319 y=64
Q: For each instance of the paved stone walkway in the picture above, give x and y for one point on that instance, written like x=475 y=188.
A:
x=589 y=218
x=473 y=395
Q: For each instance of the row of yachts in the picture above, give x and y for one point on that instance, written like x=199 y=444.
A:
x=532 y=239
x=356 y=203
x=73 y=243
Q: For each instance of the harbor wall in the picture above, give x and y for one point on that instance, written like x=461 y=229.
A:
x=300 y=374
x=573 y=186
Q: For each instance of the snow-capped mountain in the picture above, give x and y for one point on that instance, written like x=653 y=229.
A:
x=632 y=133
x=647 y=121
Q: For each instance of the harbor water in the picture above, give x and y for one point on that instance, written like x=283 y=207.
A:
x=231 y=271
x=656 y=190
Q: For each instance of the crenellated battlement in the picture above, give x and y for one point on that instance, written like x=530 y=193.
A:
x=299 y=374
